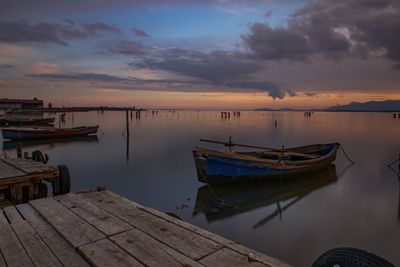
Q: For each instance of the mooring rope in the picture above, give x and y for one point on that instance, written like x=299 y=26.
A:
x=101 y=131
x=347 y=156
x=394 y=162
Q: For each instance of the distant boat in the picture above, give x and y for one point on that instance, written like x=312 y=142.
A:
x=26 y=121
x=215 y=166
x=37 y=133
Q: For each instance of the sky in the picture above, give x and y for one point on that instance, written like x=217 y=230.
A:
x=209 y=54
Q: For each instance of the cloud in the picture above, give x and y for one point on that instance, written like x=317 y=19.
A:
x=310 y=94
x=78 y=76
x=216 y=66
x=43 y=67
x=333 y=29
x=93 y=28
x=139 y=32
x=100 y=77
x=273 y=89
x=127 y=48
x=27 y=7
x=5 y=66
x=49 y=32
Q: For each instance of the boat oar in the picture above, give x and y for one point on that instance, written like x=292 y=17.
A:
x=242 y=145
x=270 y=151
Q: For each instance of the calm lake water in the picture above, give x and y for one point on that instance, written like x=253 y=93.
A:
x=294 y=221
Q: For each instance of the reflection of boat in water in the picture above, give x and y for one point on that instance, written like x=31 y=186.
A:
x=12 y=144
x=26 y=121
x=46 y=133
x=225 y=200
x=215 y=166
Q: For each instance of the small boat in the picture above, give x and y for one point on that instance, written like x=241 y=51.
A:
x=26 y=121
x=36 y=133
x=214 y=166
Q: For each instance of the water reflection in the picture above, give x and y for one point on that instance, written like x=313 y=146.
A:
x=13 y=144
x=227 y=200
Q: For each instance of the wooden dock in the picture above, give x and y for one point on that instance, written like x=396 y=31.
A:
x=100 y=228
x=22 y=180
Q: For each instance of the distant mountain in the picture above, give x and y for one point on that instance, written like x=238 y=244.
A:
x=387 y=105
x=263 y=109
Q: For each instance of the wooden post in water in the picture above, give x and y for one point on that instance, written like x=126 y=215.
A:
x=127 y=135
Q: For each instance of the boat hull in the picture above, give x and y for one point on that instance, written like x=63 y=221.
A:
x=214 y=167
x=20 y=122
x=17 y=134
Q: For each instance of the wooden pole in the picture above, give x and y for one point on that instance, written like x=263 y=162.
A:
x=127 y=135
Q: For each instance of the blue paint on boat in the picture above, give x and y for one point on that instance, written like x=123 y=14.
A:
x=216 y=166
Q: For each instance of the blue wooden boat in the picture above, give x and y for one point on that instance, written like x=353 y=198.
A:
x=214 y=166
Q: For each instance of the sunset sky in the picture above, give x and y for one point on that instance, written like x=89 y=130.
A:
x=200 y=54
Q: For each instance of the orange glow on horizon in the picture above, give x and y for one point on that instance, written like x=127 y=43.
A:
x=217 y=100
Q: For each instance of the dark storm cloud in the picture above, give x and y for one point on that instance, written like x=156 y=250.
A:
x=334 y=29
x=274 y=90
x=127 y=48
x=49 y=32
x=217 y=66
x=139 y=32
x=221 y=68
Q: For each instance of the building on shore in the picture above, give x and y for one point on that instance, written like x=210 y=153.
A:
x=6 y=103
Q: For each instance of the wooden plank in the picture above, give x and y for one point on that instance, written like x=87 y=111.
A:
x=64 y=252
x=252 y=254
x=150 y=251
x=182 y=240
x=12 y=214
x=70 y=226
x=99 y=218
x=39 y=253
x=105 y=253
x=2 y=262
x=29 y=166
x=6 y=170
x=11 y=249
x=227 y=258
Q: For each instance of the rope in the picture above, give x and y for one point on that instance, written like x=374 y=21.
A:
x=344 y=152
x=394 y=162
x=101 y=130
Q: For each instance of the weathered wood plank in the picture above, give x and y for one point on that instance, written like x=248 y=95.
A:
x=76 y=231
x=99 y=218
x=39 y=253
x=13 y=252
x=6 y=170
x=64 y=252
x=227 y=258
x=12 y=214
x=2 y=262
x=182 y=240
x=150 y=251
x=252 y=254
x=105 y=253
x=29 y=166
